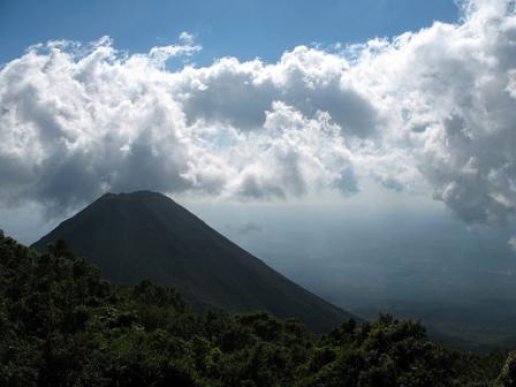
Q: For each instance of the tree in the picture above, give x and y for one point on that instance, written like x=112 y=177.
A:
x=507 y=377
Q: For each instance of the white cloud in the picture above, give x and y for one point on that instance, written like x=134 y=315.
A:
x=433 y=109
x=306 y=79
x=187 y=38
x=293 y=155
x=161 y=54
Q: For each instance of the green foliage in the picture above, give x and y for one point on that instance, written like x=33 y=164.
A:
x=507 y=377
x=61 y=324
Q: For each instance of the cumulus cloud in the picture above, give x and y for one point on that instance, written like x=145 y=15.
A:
x=458 y=111
x=432 y=109
x=307 y=79
x=78 y=120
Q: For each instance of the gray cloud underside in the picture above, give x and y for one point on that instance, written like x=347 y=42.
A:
x=433 y=109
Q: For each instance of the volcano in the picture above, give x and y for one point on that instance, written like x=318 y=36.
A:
x=146 y=235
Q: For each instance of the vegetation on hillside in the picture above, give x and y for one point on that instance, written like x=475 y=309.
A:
x=62 y=324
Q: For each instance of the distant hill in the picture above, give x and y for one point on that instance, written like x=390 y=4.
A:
x=146 y=235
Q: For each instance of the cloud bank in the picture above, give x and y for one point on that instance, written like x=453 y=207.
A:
x=428 y=110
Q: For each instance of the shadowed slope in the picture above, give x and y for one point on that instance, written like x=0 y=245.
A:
x=147 y=235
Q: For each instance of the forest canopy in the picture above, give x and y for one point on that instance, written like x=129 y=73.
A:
x=62 y=324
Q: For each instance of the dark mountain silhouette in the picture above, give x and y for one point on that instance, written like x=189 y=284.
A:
x=146 y=235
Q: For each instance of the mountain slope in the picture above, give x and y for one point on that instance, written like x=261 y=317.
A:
x=147 y=235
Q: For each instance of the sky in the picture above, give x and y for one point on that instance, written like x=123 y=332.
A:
x=375 y=103
x=245 y=29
